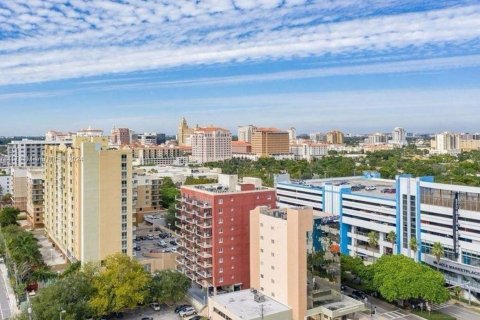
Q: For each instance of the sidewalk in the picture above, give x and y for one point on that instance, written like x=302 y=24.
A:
x=12 y=300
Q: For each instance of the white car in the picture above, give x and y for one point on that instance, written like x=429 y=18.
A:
x=150 y=236
x=187 y=312
x=370 y=188
x=155 y=306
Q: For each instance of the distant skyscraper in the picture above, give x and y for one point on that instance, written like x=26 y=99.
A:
x=184 y=133
x=377 y=138
x=399 y=136
x=446 y=143
x=245 y=133
x=318 y=137
x=270 y=141
x=335 y=137
x=121 y=136
x=292 y=134
x=211 y=144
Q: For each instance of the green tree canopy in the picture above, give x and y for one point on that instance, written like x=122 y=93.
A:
x=168 y=286
x=169 y=192
x=121 y=284
x=8 y=216
x=400 y=278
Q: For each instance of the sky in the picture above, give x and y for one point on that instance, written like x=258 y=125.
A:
x=358 y=66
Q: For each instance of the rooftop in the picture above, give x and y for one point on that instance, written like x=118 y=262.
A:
x=243 y=305
x=360 y=185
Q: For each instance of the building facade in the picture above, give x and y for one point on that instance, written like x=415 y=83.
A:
x=270 y=141
x=309 y=150
x=399 y=137
x=121 y=136
x=5 y=184
x=88 y=199
x=156 y=155
x=184 y=132
x=211 y=144
x=19 y=188
x=377 y=138
x=446 y=143
x=213 y=231
x=27 y=153
x=415 y=209
x=335 y=137
x=35 y=197
x=245 y=133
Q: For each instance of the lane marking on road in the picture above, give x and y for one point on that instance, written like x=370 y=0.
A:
x=392 y=315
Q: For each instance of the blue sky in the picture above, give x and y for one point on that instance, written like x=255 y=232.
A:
x=360 y=66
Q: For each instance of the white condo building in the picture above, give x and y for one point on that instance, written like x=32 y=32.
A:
x=414 y=208
x=28 y=153
x=245 y=133
x=211 y=144
x=399 y=137
x=446 y=143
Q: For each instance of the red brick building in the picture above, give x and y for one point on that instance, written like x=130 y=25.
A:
x=213 y=222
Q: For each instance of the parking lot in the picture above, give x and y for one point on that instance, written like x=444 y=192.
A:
x=164 y=314
x=154 y=240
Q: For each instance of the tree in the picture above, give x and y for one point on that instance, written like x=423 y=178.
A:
x=399 y=278
x=168 y=286
x=392 y=238
x=414 y=247
x=437 y=251
x=170 y=217
x=199 y=180
x=168 y=192
x=120 y=284
x=70 y=293
x=8 y=216
x=6 y=197
x=373 y=240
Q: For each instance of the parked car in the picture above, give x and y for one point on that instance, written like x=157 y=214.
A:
x=182 y=307
x=137 y=248
x=370 y=188
x=150 y=236
x=195 y=317
x=147 y=318
x=359 y=294
x=187 y=312
x=173 y=242
x=174 y=250
x=155 y=306
x=157 y=229
x=163 y=235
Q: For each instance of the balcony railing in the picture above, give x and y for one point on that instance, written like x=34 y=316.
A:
x=205 y=264
x=204 y=235
x=204 y=254
x=203 y=244
x=204 y=225
x=204 y=274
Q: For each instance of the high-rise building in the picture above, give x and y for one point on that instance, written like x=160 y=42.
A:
x=309 y=150
x=335 y=137
x=53 y=135
x=213 y=230
x=19 y=188
x=245 y=133
x=5 y=184
x=211 y=144
x=376 y=138
x=318 y=137
x=27 y=153
x=151 y=138
x=446 y=143
x=88 y=199
x=270 y=141
x=35 y=197
x=156 y=155
x=399 y=137
x=184 y=133
x=292 y=134
x=121 y=136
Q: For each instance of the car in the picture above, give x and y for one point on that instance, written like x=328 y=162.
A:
x=157 y=229
x=195 y=317
x=182 y=307
x=143 y=238
x=137 y=248
x=173 y=242
x=167 y=250
x=155 y=306
x=370 y=188
x=163 y=242
x=359 y=294
x=187 y=312
x=150 y=236
x=147 y=318
x=163 y=235
x=174 y=250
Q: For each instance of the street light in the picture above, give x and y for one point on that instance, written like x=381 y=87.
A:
x=62 y=312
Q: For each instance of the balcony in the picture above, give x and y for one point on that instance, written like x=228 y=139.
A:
x=180 y=268
x=204 y=225
x=204 y=254
x=191 y=275
x=204 y=244
x=191 y=267
x=189 y=229
x=180 y=216
x=190 y=220
x=204 y=274
x=190 y=257
x=204 y=235
x=180 y=260
x=205 y=264
x=204 y=214
x=204 y=283
x=190 y=248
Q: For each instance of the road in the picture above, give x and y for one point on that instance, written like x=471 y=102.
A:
x=458 y=312
x=5 y=312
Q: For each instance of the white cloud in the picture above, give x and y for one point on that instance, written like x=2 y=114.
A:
x=86 y=38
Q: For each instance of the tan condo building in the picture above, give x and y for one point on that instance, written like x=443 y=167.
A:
x=184 y=133
x=88 y=199
x=270 y=141
x=19 y=188
x=35 y=197
x=335 y=137
x=211 y=144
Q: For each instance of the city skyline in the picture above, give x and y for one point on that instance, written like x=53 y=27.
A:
x=360 y=66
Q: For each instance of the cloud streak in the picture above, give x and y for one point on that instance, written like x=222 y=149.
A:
x=53 y=40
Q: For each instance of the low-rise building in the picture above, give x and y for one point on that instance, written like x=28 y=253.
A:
x=19 y=188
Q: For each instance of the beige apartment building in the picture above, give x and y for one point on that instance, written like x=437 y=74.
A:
x=88 y=199
x=35 y=197
x=335 y=137
x=146 y=194
x=19 y=188
x=469 y=145
x=270 y=141
x=211 y=144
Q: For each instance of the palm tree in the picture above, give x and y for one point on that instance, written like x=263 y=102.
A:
x=392 y=238
x=414 y=247
x=437 y=251
x=373 y=240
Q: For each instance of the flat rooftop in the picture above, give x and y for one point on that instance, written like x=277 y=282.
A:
x=361 y=185
x=243 y=305
x=220 y=188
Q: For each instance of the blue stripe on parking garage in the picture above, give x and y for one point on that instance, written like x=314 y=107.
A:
x=397 y=213
x=418 y=221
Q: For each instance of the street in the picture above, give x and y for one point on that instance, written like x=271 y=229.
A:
x=5 y=312
x=459 y=312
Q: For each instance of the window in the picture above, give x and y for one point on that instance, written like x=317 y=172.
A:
x=220 y=240
x=220 y=280
x=272 y=254
x=220 y=230
x=220 y=210
x=220 y=250
x=220 y=260
x=220 y=220
x=220 y=270
x=220 y=201
x=273 y=241
x=261 y=276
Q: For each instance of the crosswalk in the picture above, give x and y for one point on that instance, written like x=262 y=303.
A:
x=440 y=306
x=392 y=315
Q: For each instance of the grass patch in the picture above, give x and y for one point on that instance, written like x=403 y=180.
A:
x=434 y=315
